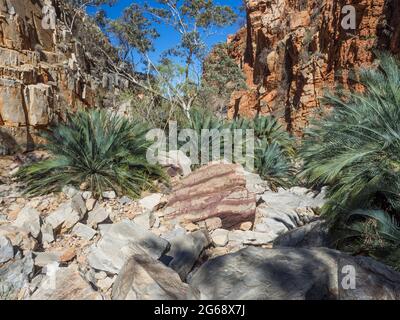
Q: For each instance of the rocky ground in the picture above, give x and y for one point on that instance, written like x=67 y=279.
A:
x=216 y=233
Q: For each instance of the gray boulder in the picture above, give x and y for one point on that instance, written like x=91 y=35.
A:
x=144 y=278
x=15 y=275
x=117 y=245
x=29 y=220
x=315 y=234
x=6 y=249
x=294 y=274
x=185 y=251
x=65 y=284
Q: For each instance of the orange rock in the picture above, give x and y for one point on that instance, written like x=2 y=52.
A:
x=290 y=51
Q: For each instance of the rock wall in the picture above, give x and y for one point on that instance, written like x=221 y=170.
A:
x=44 y=73
x=291 y=50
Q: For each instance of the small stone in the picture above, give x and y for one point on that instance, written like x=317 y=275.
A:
x=79 y=205
x=6 y=249
x=47 y=233
x=86 y=195
x=69 y=191
x=125 y=200
x=90 y=204
x=220 y=237
x=98 y=215
x=246 y=226
x=83 y=231
x=100 y=275
x=151 y=202
x=105 y=284
x=65 y=216
x=191 y=227
x=67 y=255
x=44 y=258
x=146 y=220
x=213 y=223
x=109 y=195
x=29 y=220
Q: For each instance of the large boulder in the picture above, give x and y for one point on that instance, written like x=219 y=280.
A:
x=286 y=210
x=216 y=190
x=29 y=220
x=65 y=284
x=185 y=251
x=15 y=275
x=118 y=244
x=291 y=273
x=6 y=249
x=144 y=278
x=314 y=234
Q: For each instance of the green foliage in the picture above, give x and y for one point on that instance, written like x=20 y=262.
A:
x=221 y=77
x=355 y=151
x=372 y=232
x=273 y=164
x=274 y=150
x=104 y=151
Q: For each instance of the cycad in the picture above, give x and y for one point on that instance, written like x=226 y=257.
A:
x=356 y=149
x=273 y=165
x=356 y=152
x=267 y=128
x=103 y=151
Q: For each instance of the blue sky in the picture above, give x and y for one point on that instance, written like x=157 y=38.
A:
x=168 y=38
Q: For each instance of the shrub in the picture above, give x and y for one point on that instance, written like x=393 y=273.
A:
x=103 y=151
x=356 y=152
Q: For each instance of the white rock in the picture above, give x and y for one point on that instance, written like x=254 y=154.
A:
x=109 y=195
x=65 y=216
x=6 y=249
x=45 y=258
x=29 y=220
x=151 y=202
x=86 y=195
x=83 y=231
x=47 y=233
x=251 y=237
x=100 y=275
x=90 y=203
x=117 y=245
x=105 y=284
x=69 y=191
x=220 y=237
x=98 y=215
x=145 y=220
x=79 y=205
x=65 y=284
x=103 y=228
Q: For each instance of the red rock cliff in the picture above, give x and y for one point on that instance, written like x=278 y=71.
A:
x=44 y=72
x=291 y=50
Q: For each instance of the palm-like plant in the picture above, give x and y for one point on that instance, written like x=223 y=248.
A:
x=269 y=129
x=273 y=164
x=356 y=149
x=103 y=151
x=356 y=152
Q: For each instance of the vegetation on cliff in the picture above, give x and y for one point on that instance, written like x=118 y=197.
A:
x=355 y=151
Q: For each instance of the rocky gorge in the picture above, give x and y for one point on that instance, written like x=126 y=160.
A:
x=210 y=232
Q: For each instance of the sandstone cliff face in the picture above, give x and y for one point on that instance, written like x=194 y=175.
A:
x=44 y=73
x=291 y=50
